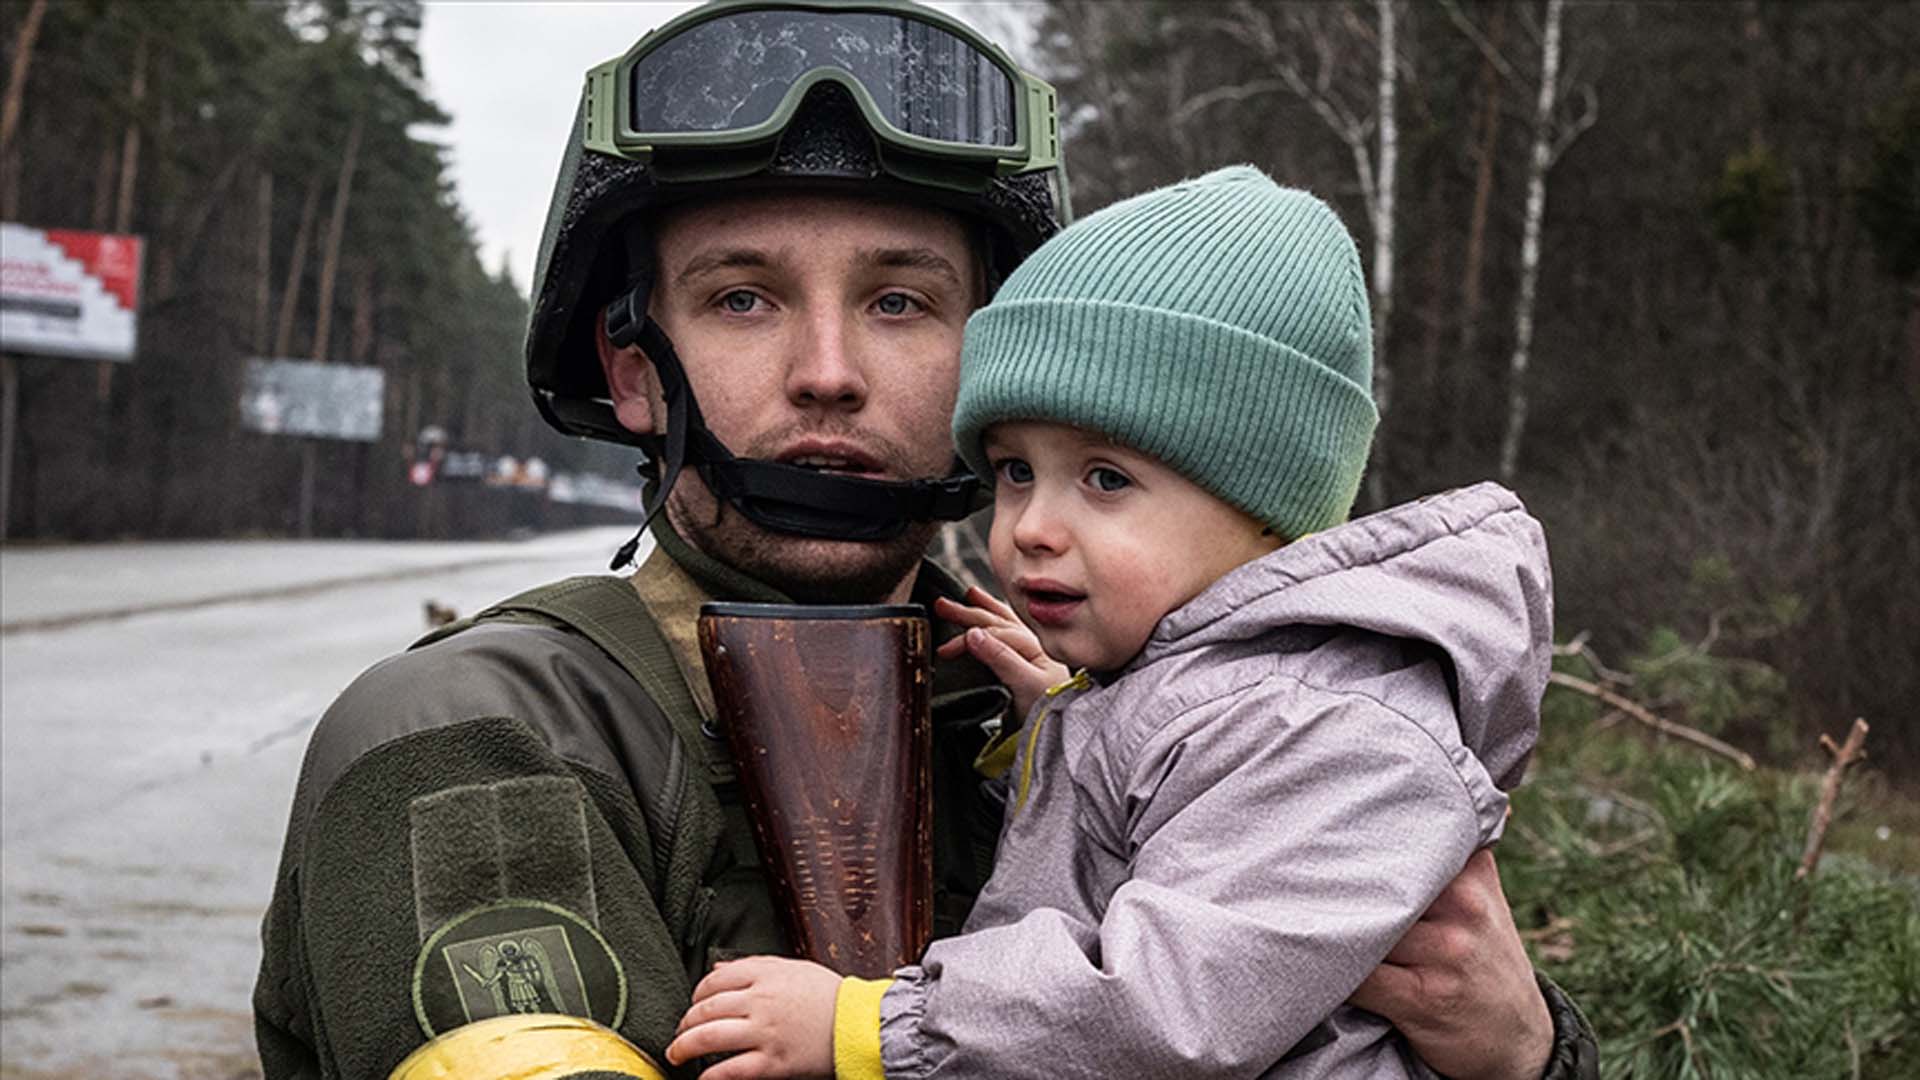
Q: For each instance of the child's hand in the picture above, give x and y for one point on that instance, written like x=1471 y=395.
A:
x=998 y=639
x=776 y=1013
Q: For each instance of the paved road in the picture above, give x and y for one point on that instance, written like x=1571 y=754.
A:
x=147 y=762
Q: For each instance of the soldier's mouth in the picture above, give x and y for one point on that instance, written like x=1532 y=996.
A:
x=829 y=464
x=833 y=457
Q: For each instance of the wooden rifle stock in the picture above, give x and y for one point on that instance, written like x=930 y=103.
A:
x=828 y=713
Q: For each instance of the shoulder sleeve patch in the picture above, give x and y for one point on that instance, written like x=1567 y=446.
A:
x=516 y=957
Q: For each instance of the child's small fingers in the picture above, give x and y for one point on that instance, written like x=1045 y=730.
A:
x=992 y=603
x=728 y=976
x=724 y=1005
x=1001 y=658
x=748 y=1066
x=961 y=614
x=951 y=647
x=1018 y=641
x=713 y=1037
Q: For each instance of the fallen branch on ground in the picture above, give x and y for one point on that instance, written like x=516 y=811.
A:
x=1844 y=756
x=1664 y=726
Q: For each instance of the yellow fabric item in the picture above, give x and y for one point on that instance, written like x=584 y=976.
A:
x=1080 y=681
x=998 y=755
x=1001 y=750
x=533 y=1046
x=1026 y=762
x=856 y=1029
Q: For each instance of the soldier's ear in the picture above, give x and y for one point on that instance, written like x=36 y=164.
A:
x=638 y=402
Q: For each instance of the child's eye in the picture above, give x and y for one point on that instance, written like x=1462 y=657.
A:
x=1108 y=479
x=1014 y=471
x=896 y=304
x=740 y=301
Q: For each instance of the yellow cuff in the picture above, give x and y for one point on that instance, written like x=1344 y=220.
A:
x=856 y=1029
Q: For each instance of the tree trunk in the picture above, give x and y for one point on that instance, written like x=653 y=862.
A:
x=296 y=269
x=130 y=143
x=1537 y=165
x=1436 y=424
x=263 y=266
x=336 y=229
x=129 y=179
x=1473 y=279
x=16 y=95
x=9 y=420
x=190 y=229
x=103 y=186
x=17 y=78
x=1383 y=250
x=360 y=346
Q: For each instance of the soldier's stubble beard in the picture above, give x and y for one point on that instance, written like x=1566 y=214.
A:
x=807 y=569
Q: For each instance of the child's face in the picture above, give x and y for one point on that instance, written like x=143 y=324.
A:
x=1094 y=542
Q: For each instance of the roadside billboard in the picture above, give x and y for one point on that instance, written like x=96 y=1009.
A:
x=302 y=397
x=69 y=293
x=596 y=490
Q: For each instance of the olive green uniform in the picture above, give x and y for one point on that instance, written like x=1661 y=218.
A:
x=505 y=814
x=515 y=765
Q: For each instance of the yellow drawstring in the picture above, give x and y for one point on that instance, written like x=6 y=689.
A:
x=1079 y=681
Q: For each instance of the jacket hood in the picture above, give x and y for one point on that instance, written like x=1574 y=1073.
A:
x=1464 y=572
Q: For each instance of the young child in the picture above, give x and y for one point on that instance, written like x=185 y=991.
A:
x=1287 y=733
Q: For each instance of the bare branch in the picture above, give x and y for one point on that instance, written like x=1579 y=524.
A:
x=1589 y=115
x=1712 y=636
x=1703 y=647
x=1579 y=647
x=1665 y=727
x=1315 y=92
x=1479 y=40
x=1844 y=757
x=1218 y=94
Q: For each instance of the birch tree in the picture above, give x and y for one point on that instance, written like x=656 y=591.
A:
x=1304 y=45
x=1550 y=140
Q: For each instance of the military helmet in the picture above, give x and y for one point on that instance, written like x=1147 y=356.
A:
x=874 y=96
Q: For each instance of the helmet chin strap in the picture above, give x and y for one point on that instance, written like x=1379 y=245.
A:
x=781 y=498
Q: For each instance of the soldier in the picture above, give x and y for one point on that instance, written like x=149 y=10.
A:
x=770 y=225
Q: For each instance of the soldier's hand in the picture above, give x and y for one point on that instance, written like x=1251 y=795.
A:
x=774 y=1015
x=1459 y=985
x=997 y=638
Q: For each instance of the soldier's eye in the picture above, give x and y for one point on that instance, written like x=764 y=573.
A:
x=740 y=301
x=896 y=304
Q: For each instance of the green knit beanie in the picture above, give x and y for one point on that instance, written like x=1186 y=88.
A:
x=1219 y=325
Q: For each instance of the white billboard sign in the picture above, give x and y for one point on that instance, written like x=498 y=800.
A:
x=67 y=293
x=302 y=397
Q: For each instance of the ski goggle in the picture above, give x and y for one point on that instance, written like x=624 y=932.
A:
x=726 y=79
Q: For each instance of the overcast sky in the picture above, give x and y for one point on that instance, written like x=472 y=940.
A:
x=509 y=74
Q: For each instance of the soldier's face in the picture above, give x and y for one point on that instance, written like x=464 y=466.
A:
x=820 y=331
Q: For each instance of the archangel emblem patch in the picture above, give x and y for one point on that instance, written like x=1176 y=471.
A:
x=516 y=956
